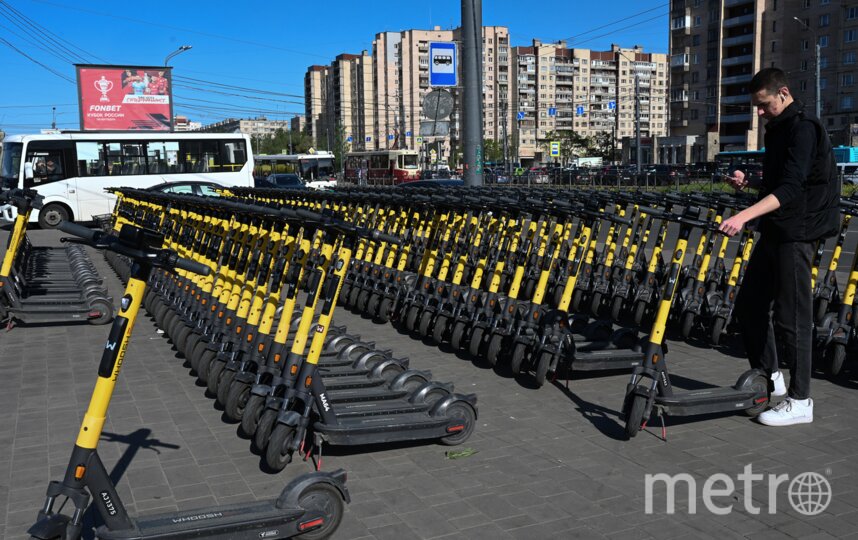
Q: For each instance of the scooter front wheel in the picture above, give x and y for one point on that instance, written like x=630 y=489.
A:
x=278 y=454
x=251 y=414
x=542 y=367
x=465 y=419
x=517 y=359
x=634 y=416
x=834 y=357
x=760 y=386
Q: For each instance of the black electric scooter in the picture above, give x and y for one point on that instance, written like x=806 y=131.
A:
x=750 y=394
x=311 y=504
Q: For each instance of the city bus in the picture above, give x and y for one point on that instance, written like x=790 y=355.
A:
x=71 y=170
x=318 y=165
x=726 y=160
x=382 y=167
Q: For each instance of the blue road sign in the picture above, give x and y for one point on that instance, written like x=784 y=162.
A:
x=520 y=116
x=349 y=138
x=612 y=105
x=369 y=138
x=390 y=137
x=407 y=133
x=442 y=64
x=579 y=110
x=552 y=111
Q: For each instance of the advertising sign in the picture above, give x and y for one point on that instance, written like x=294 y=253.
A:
x=125 y=98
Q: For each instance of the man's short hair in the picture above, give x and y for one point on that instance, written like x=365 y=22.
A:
x=770 y=79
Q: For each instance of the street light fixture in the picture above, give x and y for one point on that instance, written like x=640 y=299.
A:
x=818 y=92
x=177 y=52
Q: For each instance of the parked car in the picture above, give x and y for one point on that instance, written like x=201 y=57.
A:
x=190 y=187
x=449 y=182
x=284 y=181
x=667 y=174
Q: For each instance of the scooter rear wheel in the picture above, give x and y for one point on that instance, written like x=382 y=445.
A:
x=617 y=308
x=640 y=312
x=463 y=412
x=476 y=342
x=687 y=324
x=384 y=310
x=542 y=367
x=440 y=328
x=759 y=385
x=717 y=330
x=325 y=499
x=278 y=454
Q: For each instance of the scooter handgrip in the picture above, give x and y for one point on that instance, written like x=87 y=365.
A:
x=79 y=231
x=192 y=266
x=384 y=237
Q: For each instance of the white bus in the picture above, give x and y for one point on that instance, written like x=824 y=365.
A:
x=71 y=170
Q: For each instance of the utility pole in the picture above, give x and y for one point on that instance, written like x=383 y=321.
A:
x=638 y=121
x=54 y=118
x=817 y=61
x=505 y=142
x=472 y=81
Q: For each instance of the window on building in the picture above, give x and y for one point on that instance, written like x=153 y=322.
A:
x=850 y=36
x=823 y=62
x=847 y=79
x=695 y=40
x=774 y=26
x=805 y=45
x=823 y=41
x=804 y=65
x=852 y=13
x=698 y=20
x=823 y=83
x=774 y=46
x=849 y=57
x=802 y=86
x=824 y=20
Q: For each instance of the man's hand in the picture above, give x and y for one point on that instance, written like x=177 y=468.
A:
x=733 y=225
x=738 y=180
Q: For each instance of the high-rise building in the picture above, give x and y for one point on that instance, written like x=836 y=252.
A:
x=718 y=45
x=378 y=98
x=561 y=90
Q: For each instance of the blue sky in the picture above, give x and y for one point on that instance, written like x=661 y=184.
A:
x=257 y=45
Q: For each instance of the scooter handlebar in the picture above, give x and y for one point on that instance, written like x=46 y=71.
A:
x=385 y=237
x=192 y=266
x=80 y=231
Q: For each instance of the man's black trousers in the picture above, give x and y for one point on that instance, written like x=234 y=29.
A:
x=775 y=310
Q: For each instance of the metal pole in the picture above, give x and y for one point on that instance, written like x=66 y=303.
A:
x=818 y=92
x=505 y=141
x=472 y=85
x=638 y=122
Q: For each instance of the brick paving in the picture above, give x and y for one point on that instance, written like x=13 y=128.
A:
x=548 y=463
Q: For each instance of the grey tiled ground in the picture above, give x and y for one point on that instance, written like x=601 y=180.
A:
x=549 y=463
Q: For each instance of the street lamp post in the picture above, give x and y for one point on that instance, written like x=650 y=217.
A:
x=818 y=53
x=177 y=52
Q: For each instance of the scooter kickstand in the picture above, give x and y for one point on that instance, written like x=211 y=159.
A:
x=663 y=427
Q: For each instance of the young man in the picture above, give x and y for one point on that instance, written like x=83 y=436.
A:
x=798 y=205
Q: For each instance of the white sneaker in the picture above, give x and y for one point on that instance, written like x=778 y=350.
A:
x=780 y=387
x=789 y=412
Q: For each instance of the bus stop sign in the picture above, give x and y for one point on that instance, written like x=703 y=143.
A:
x=442 y=64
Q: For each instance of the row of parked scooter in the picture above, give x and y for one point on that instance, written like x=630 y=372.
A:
x=47 y=284
x=258 y=330
x=502 y=276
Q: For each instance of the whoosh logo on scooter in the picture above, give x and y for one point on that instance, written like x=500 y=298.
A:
x=198 y=517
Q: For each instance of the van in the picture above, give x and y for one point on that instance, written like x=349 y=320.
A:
x=848 y=172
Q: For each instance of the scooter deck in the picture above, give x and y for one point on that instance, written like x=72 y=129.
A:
x=393 y=407
x=382 y=428
x=606 y=359
x=242 y=520
x=363 y=394
x=709 y=400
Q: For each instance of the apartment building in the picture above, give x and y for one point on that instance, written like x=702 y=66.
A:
x=255 y=127
x=560 y=89
x=717 y=46
x=377 y=98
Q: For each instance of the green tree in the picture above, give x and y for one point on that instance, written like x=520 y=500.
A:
x=603 y=145
x=492 y=150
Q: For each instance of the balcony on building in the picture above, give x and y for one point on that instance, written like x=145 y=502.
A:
x=737 y=60
x=680 y=61
x=738 y=21
x=681 y=24
x=732 y=139
x=737 y=40
x=734 y=3
x=678 y=122
x=736 y=118
x=737 y=79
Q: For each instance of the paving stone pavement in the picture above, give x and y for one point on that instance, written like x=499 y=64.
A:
x=548 y=463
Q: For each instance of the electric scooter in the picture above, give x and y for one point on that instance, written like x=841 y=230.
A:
x=311 y=504
x=650 y=387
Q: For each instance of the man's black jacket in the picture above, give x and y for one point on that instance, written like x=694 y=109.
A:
x=799 y=169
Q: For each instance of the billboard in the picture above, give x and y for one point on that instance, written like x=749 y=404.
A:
x=125 y=98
